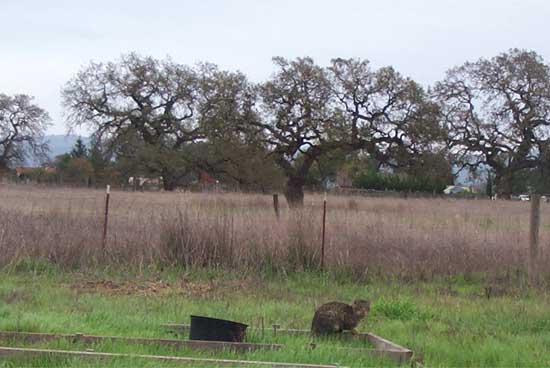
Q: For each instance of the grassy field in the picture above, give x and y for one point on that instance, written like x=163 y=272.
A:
x=370 y=237
x=447 y=322
x=446 y=277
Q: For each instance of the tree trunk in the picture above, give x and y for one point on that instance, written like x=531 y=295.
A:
x=489 y=186
x=4 y=167
x=503 y=181
x=169 y=181
x=294 y=192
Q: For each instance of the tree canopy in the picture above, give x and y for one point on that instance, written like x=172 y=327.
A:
x=22 y=127
x=299 y=122
x=497 y=113
x=165 y=119
x=152 y=102
x=388 y=115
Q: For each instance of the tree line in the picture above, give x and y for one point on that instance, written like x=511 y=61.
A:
x=159 y=117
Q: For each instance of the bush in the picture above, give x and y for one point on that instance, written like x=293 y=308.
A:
x=398 y=309
x=397 y=182
x=36 y=266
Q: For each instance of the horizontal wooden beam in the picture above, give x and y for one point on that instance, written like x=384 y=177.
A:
x=9 y=351
x=32 y=337
x=184 y=329
x=398 y=356
x=381 y=343
x=382 y=347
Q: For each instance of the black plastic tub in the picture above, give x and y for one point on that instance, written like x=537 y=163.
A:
x=214 y=329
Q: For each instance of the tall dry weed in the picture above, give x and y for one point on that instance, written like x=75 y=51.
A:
x=411 y=238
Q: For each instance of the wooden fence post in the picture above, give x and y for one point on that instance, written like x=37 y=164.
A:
x=534 y=239
x=104 y=239
x=276 y=204
x=323 y=235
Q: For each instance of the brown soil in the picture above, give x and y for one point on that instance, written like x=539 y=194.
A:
x=159 y=287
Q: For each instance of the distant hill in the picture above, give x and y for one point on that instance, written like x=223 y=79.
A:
x=59 y=144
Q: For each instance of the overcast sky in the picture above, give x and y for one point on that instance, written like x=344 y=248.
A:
x=44 y=43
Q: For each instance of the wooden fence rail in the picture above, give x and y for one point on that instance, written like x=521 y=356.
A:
x=33 y=337
x=9 y=351
x=382 y=346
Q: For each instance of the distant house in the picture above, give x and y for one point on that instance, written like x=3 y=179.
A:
x=26 y=173
x=208 y=183
x=29 y=173
x=50 y=170
x=456 y=189
x=143 y=182
x=206 y=179
x=329 y=183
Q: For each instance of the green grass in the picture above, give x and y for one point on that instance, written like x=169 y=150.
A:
x=447 y=322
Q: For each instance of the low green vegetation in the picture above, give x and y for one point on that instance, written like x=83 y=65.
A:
x=399 y=183
x=449 y=322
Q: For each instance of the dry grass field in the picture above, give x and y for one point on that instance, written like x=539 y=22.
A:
x=408 y=238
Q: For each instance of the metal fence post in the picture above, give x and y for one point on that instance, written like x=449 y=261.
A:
x=534 y=239
x=276 y=204
x=104 y=239
x=323 y=235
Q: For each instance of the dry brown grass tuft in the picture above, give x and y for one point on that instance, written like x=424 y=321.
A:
x=414 y=238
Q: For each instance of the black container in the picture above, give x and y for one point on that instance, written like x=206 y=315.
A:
x=213 y=329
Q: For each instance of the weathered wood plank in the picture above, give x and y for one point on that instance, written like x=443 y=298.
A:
x=381 y=343
x=9 y=351
x=377 y=341
x=534 y=227
x=397 y=355
x=382 y=346
x=32 y=337
x=184 y=329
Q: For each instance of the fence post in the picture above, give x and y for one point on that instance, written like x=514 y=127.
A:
x=534 y=239
x=276 y=204
x=323 y=235
x=104 y=239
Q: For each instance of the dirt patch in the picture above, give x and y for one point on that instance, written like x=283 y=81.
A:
x=15 y=296
x=497 y=291
x=213 y=288
x=151 y=288
x=447 y=291
x=109 y=287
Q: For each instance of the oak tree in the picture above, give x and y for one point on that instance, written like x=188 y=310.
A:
x=497 y=113
x=387 y=115
x=298 y=121
x=151 y=102
x=22 y=128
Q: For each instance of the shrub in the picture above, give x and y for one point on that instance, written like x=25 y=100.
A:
x=398 y=309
